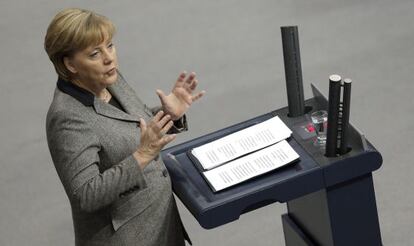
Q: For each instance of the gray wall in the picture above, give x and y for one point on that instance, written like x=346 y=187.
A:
x=235 y=48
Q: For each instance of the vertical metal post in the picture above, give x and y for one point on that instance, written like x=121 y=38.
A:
x=293 y=70
x=333 y=115
x=346 y=104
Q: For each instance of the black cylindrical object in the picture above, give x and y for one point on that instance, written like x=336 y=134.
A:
x=293 y=70
x=346 y=104
x=333 y=115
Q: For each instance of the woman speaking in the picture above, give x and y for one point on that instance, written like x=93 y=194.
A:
x=105 y=142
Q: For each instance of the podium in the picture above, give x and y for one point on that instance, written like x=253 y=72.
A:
x=330 y=200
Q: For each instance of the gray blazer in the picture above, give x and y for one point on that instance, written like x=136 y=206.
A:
x=114 y=201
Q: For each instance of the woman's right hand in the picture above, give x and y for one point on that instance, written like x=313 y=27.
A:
x=153 y=138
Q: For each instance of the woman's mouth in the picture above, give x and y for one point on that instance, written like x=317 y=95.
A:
x=111 y=72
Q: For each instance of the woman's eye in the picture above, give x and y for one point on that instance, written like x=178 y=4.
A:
x=94 y=54
x=110 y=45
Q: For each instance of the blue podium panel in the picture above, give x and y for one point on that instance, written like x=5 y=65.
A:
x=213 y=209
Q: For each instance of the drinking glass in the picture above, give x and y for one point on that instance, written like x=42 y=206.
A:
x=320 y=122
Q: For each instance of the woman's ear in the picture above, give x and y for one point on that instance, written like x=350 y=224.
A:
x=69 y=64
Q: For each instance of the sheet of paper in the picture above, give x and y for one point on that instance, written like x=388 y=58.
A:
x=251 y=165
x=242 y=142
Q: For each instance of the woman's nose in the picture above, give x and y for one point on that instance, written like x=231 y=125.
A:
x=108 y=57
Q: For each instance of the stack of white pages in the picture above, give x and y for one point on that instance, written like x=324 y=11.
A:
x=245 y=154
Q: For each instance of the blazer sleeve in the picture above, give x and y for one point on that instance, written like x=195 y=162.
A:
x=74 y=149
x=179 y=126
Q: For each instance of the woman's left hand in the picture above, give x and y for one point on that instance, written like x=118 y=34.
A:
x=181 y=97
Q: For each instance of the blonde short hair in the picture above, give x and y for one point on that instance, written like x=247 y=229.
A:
x=73 y=30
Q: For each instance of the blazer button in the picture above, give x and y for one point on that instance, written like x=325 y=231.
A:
x=165 y=173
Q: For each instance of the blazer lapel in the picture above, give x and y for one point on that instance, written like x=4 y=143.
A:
x=128 y=101
x=134 y=109
x=110 y=111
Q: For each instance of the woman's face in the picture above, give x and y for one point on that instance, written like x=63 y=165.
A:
x=96 y=66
